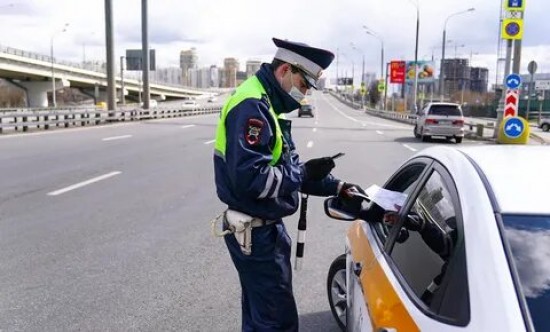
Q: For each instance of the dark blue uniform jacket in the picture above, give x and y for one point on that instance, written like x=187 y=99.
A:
x=245 y=181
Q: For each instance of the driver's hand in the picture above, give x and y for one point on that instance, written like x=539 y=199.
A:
x=391 y=217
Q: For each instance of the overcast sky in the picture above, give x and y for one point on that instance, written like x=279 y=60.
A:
x=243 y=29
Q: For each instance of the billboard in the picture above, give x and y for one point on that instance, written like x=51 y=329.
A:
x=426 y=70
x=345 y=81
x=133 y=60
x=397 y=72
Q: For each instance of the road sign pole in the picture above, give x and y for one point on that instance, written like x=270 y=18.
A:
x=529 y=92
x=500 y=108
x=540 y=105
x=386 y=85
x=531 y=68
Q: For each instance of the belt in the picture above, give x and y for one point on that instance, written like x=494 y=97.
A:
x=256 y=222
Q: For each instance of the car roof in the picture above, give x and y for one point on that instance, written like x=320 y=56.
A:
x=517 y=175
x=443 y=103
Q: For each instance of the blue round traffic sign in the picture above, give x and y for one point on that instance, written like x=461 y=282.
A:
x=512 y=28
x=513 y=81
x=513 y=127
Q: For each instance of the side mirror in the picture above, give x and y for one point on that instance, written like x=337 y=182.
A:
x=334 y=209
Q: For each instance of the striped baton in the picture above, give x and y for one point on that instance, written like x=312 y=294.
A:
x=302 y=225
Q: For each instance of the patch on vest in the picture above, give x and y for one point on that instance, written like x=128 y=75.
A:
x=253 y=130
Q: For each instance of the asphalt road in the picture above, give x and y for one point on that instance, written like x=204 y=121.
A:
x=107 y=228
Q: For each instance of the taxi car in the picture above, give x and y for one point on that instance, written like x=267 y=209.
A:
x=480 y=260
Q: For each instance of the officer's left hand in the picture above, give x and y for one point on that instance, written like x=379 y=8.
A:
x=318 y=168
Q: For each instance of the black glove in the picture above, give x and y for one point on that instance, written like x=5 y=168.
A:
x=351 y=201
x=348 y=188
x=414 y=222
x=317 y=169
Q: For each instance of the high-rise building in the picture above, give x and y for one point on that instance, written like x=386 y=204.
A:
x=188 y=60
x=214 y=76
x=456 y=74
x=479 y=79
x=167 y=75
x=459 y=76
x=252 y=66
x=203 y=78
x=230 y=67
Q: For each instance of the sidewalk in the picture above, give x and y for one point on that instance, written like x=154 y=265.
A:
x=536 y=136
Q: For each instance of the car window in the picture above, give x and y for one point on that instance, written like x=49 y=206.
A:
x=404 y=181
x=449 y=110
x=529 y=240
x=428 y=255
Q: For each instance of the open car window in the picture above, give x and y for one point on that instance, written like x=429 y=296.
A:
x=404 y=181
x=428 y=250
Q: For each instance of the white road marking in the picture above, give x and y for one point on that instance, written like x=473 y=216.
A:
x=379 y=132
x=314 y=129
x=310 y=144
x=187 y=126
x=210 y=142
x=101 y=126
x=410 y=148
x=114 y=138
x=83 y=183
x=364 y=124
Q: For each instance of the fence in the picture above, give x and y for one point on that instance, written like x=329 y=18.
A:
x=474 y=129
x=25 y=119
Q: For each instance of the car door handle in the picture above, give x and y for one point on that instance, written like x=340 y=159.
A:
x=386 y=329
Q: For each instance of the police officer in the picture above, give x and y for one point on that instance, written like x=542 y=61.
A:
x=258 y=174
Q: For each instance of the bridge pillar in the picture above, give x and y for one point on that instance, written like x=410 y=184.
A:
x=99 y=93
x=37 y=91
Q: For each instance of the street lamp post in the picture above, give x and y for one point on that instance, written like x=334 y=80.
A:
x=417 y=5
x=377 y=36
x=441 y=76
x=122 y=96
x=54 y=104
x=352 y=74
x=362 y=75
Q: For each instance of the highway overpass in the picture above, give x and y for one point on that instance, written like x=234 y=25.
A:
x=33 y=73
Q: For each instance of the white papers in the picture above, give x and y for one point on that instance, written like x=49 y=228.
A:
x=386 y=199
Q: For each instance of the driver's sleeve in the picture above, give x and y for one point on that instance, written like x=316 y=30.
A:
x=250 y=133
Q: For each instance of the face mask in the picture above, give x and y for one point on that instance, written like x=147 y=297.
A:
x=294 y=92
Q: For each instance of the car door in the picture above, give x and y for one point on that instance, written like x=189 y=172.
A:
x=367 y=282
x=417 y=279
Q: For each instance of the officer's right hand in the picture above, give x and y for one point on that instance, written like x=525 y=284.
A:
x=318 y=168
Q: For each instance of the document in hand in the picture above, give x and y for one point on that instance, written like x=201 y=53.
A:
x=386 y=199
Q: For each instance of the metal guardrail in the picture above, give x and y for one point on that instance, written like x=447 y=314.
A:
x=25 y=119
x=476 y=129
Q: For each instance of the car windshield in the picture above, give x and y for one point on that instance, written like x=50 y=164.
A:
x=445 y=110
x=529 y=239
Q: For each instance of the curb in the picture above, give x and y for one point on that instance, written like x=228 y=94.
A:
x=537 y=138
